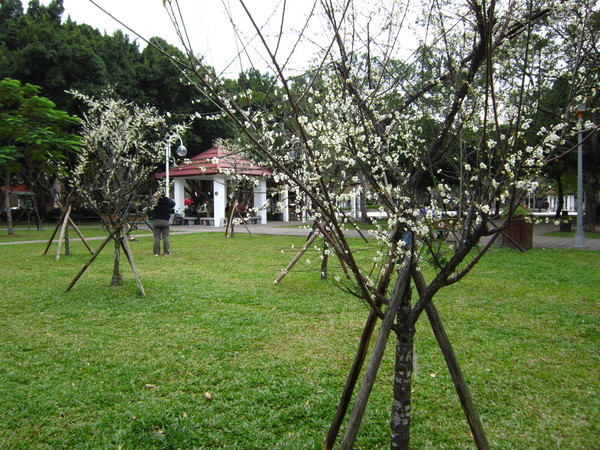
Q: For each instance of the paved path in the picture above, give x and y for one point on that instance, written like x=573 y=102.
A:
x=294 y=229
x=542 y=241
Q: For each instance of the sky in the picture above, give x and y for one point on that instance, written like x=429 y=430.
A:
x=209 y=27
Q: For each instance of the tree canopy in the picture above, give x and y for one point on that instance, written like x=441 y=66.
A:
x=38 y=47
x=35 y=137
x=121 y=147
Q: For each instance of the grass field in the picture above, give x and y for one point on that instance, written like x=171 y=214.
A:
x=30 y=233
x=217 y=356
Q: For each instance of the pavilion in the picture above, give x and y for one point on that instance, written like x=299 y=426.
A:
x=219 y=165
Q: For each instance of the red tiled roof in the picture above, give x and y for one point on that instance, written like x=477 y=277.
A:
x=216 y=161
x=18 y=188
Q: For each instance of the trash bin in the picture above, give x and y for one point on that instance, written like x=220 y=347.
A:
x=565 y=223
x=519 y=232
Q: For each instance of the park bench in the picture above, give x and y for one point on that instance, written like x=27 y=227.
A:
x=255 y=220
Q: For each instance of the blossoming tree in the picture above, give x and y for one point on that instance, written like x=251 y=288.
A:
x=441 y=136
x=123 y=144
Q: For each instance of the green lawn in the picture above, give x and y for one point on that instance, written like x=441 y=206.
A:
x=29 y=233
x=102 y=367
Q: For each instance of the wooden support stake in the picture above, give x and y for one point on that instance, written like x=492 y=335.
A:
x=371 y=372
x=458 y=378
x=53 y=234
x=61 y=224
x=76 y=228
x=359 y=359
x=353 y=375
x=89 y=262
x=338 y=251
x=62 y=231
x=229 y=227
x=136 y=275
x=515 y=243
x=296 y=258
x=244 y=222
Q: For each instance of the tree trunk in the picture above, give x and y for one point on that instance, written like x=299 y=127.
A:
x=560 y=197
x=363 y=200
x=400 y=418
x=371 y=373
x=63 y=230
x=9 y=221
x=36 y=213
x=324 y=261
x=591 y=199
x=89 y=262
x=67 y=242
x=116 y=279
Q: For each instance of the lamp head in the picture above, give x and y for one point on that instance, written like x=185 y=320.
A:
x=181 y=150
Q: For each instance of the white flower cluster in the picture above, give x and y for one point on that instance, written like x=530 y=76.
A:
x=437 y=141
x=123 y=144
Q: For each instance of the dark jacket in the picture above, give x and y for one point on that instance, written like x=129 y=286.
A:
x=162 y=210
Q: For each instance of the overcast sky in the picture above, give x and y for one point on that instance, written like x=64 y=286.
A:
x=209 y=26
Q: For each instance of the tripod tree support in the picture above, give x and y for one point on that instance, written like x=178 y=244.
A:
x=458 y=378
x=63 y=229
x=119 y=235
x=296 y=258
x=375 y=362
x=318 y=229
x=63 y=223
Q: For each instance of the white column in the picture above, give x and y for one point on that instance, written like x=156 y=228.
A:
x=304 y=210
x=353 y=211
x=550 y=200
x=179 y=195
x=285 y=201
x=260 y=199
x=570 y=203
x=219 y=199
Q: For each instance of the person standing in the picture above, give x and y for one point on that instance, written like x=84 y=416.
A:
x=160 y=216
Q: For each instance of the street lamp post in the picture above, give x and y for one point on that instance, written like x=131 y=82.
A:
x=167 y=164
x=181 y=151
x=579 y=241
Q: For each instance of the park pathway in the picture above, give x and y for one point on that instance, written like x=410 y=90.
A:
x=540 y=240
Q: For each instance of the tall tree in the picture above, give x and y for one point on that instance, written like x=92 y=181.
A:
x=35 y=137
x=164 y=86
x=476 y=86
x=37 y=47
x=574 y=81
x=122 y=145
